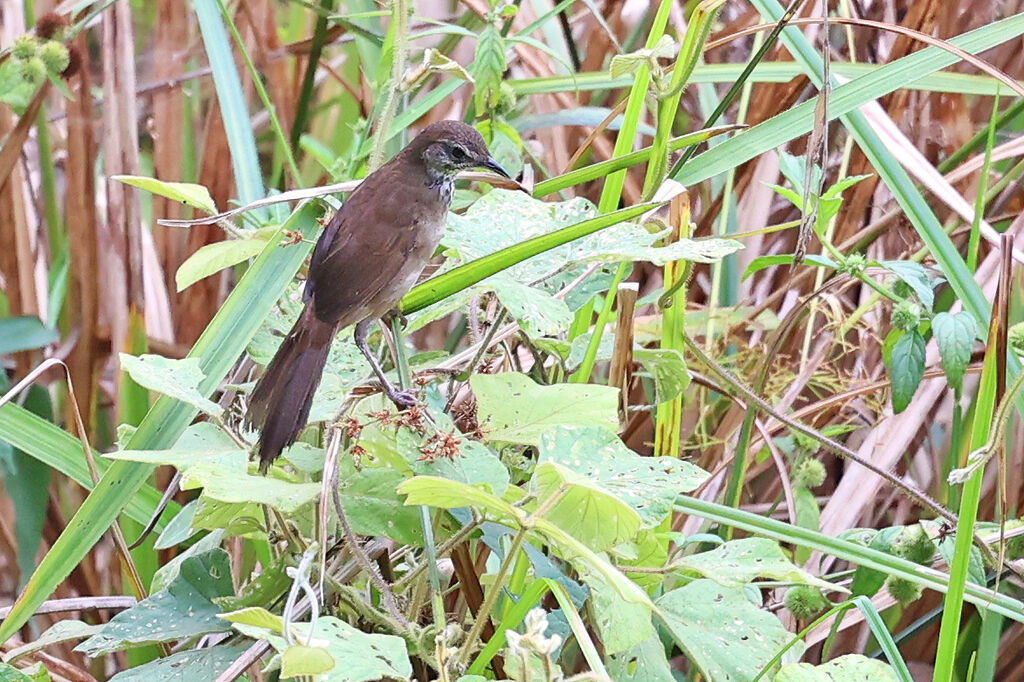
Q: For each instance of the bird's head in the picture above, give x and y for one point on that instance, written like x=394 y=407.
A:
x=448 y=147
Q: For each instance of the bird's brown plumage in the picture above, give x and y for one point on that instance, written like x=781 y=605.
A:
x=367 y=258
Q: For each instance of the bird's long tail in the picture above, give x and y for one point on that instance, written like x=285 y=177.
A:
x=279 y=405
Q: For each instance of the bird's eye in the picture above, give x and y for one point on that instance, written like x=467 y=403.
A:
x=459 y=154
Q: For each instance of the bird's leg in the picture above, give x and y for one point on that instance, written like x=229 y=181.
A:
x=394 y=314
x=402 y=399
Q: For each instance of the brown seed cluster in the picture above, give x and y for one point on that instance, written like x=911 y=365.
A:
x=440 y=445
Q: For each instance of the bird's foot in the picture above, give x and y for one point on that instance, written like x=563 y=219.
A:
x=403 y=400
x=394 y=314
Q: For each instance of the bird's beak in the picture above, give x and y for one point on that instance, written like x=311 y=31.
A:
x=493 y=166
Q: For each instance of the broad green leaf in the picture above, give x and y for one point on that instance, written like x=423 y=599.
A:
x=906 y=367
x=514 y=409
x=213 y=258
x=182 y=610
x=202 y=442
x=358 y=656
x=178 y=529
x=848 y=668
x=244 y=519
x=257 y=617
x=232 y=485
x=455 y=280
x=621 y=624
x=709 y=250
x=61 y=631
x=538 y=314
x=740 y=562
x=583 y=508
x=24 y=332
x=186 y=666
x=917 y=277
x=644 y=662
x=374 y=507
x=721 y=632
x=667 y=367
x=648 y=485
x=762 y=262
x=446 y=494
x=178 y=379
x=169 y=572
x=34 y=673
x=955 y=334
x=299 y=659
x=196 y=196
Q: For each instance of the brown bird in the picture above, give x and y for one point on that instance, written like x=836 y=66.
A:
x=367 y=258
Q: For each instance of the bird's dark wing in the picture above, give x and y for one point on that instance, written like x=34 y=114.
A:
x=370 y=255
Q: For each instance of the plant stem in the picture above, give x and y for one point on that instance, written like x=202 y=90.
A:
x=491 y=598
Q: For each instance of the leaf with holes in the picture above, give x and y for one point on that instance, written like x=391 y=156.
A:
x=648 y=485
x=178 y=379
x=583 y=508
x=514 y=409
x=185 y=609
x=724 y=635
x=740 y=562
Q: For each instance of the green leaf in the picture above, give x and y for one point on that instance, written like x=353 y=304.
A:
x=184 y=609
x=906 y=367
x=739 y=562
x=299 y=659
x=446 y=494
x=762 y=262
x=488 y=68
x=724 y=635
x=667 y=367
x=955 y=334
x=917 y=277
x=848 y=668
x=232 y=485
x=583 y=508
x=514 y=409
x=644 y=662
x=709 y=250
x=455 y=280
x=34 y=673
x=358 y=656
x=24 y=332
x=621 y=623
x=196 y=196
x=186 y=666
x=374 y=507
x=648 y=485
x=178 y=379
x=61 y=631
x=213 y=258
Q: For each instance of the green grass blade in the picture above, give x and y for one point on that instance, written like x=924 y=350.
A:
x=468 y=274
x=983 y=598
x=217 y=350
x=233 y=109
x=58 y=449
x=603 y=168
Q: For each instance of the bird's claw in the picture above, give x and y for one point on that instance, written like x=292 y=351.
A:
x=394 y=314
x=403 y=400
